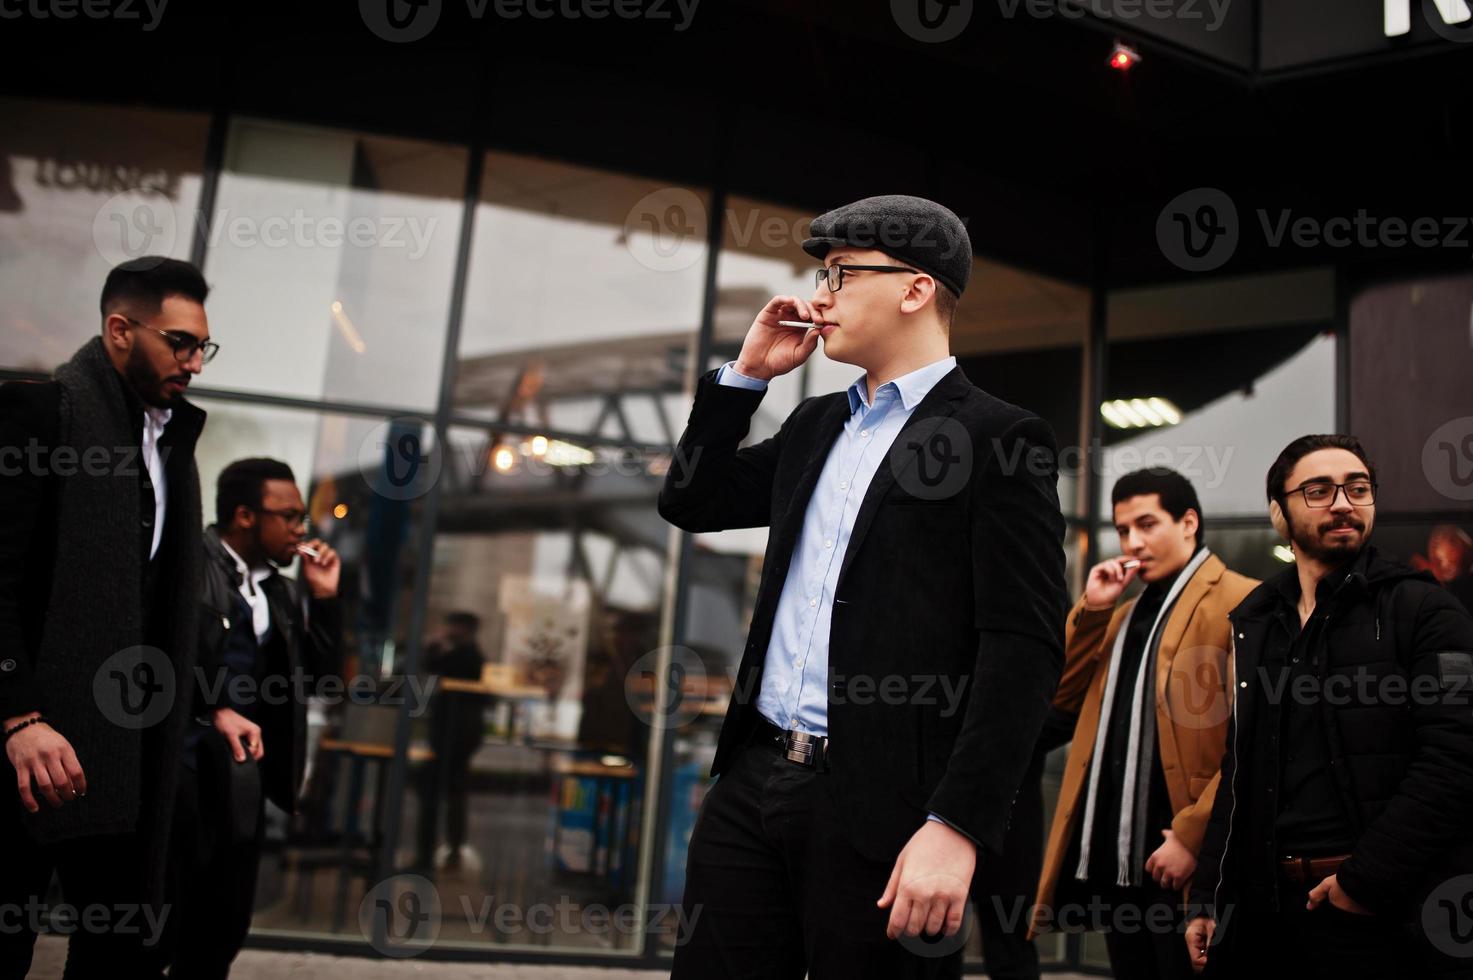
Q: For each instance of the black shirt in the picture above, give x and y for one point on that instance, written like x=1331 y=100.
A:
x=1299 y=811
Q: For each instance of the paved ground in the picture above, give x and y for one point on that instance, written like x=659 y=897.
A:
x=255 y=964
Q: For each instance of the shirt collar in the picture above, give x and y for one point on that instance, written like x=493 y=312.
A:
x=158 y=417
x=912 y=387
x=257 y=575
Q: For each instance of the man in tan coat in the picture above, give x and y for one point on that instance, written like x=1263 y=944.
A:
x=1149 y=682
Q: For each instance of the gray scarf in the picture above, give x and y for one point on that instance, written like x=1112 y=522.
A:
x=96 y=611
x=1130 y=850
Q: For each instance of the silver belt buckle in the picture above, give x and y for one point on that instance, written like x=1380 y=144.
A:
x=799 y=747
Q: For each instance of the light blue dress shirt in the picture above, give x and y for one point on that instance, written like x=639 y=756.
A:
x=794 y=691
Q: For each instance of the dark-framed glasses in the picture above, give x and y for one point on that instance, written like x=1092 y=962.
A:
x=293 y=518
x=182 y=344
x=1322 y=495
x=833 y=275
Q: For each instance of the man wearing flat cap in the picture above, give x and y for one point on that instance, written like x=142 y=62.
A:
x=908 y=632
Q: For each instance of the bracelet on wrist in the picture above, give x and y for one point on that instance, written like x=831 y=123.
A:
x=24 y=724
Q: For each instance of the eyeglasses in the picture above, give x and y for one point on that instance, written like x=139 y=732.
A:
x=1322 y=495
x=293 y=518
x=833 y=275
x=183 y=345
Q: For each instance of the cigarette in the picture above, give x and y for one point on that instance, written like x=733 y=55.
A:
x=1130 y=563
x=309 y=552
x=800 y=324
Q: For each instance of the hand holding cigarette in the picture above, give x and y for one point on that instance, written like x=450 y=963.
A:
x=1107 y=581
x=321 y=568
x=772 y=346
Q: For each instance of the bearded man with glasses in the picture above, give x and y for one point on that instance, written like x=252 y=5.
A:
x=1338 y=843
x=100 y=568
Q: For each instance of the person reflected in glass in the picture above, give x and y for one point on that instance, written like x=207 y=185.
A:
x=456 y=726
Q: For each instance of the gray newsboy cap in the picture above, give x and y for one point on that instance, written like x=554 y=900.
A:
x=914 y=230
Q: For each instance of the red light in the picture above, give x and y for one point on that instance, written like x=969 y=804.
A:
x=1123 y=57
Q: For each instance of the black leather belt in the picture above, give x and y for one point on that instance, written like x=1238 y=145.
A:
x=800 y=747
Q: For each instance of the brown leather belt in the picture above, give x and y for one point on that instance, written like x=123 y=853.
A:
x=1310 y=870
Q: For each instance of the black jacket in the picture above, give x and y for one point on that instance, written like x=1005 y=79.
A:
x=1397 y=724
x=131 y=772
x=305 y=644
x=963 y=589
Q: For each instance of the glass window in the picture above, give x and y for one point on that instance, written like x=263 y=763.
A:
x=331 y=255
x=583 y=302
x=1214 y=401
x=317 y=863
x=83 y=188
x=1019 y=336
x=530 y=779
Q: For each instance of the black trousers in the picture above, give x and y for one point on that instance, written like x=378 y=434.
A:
x=775 y=890
x=212 y=884
x=112 y=934
x=1260 y=941
x=446 y=778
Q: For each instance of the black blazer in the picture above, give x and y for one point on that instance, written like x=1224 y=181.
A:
x=953 y=580
x=308 y=645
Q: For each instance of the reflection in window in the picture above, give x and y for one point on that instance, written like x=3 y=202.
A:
x=529 y=778
x=583 y=301
x=1242 y=397
x=82 y=189
x=332 y=257
x=317 y=863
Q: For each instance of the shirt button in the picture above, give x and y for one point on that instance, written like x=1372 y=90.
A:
x=1242 y=683
x=828 y=544
x=844 y=485
x=864 y=433
x=813 y=602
